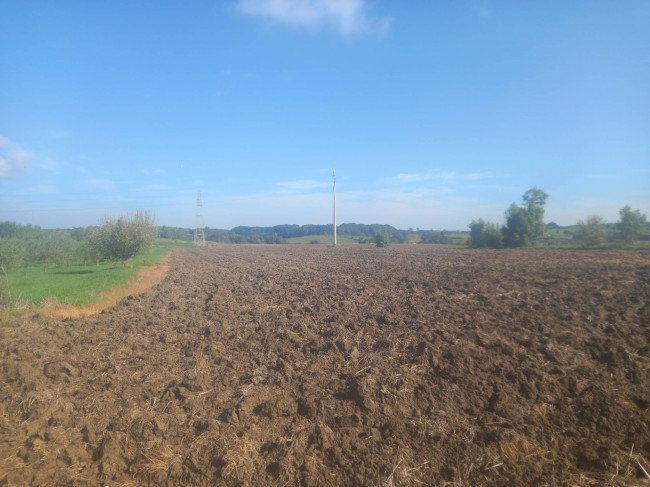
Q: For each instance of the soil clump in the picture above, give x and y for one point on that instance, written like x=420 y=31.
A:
x=308 y=365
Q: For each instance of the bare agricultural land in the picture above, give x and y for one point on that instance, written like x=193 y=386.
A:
x=307 y=365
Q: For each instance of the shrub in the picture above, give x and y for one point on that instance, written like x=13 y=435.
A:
x=381 y=238
x=592 y=232
x=124 y=237
x=631 y=223
x=485 y=234
x=525 y=224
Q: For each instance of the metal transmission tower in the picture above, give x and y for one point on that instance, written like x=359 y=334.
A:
x=334 y=174
x=199 y=232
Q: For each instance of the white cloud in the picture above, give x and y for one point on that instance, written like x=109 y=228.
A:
x=153 y=172
x=472 y=176
x=304 y=184
x=424 y=208
x=154 y=187
x=100 y=184
x=348 y=17
x=413 y=177
x=12 y=158
x=444 y=176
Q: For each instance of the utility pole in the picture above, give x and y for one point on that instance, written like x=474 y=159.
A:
x=334 y=174
x=199 y=232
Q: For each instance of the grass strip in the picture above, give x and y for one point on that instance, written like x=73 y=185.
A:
x=83 y=284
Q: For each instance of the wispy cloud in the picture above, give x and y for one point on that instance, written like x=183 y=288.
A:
x=472 y=176
x=100 y=184
x=348 y=17
x=443 y=176
x=304 y=185
x=413 y=177
x=426 y=208
x=153 y=172
x=157 y=188
x=12 y=158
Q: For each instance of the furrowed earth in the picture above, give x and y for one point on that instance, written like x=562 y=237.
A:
x=308 y=365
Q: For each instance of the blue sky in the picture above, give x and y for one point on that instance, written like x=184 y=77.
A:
x=434 y=112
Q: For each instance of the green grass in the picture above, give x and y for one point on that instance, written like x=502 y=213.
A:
x=79 y=285
x=160 y=249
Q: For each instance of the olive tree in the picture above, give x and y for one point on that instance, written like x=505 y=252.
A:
x=54 y=249
x=12 y=253
x=124 y=237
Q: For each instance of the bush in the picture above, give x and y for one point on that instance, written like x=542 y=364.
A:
x=592 y=232
x=123 y=238
x=631 y=223
x=381 y=238
x=12 y=252
x=485 y=234
x=273 y=239
x=435 y=238
x=525 y=224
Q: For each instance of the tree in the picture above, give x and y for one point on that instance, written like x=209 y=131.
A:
x=631 y=223
x=484 y=234
x=435 y=237
x=57 y=249
x=12 y=253
x=593 y=231
x=381 y=238
x=123 y=238
x=525 y=224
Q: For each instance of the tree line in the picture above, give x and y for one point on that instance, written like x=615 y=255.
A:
x=292 y=231
x=524 y=226
x=114 y=239
x=366 y=233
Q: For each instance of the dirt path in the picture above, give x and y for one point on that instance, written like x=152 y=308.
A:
x=284 y=365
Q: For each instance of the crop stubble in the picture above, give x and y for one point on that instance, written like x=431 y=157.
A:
x=279 y=365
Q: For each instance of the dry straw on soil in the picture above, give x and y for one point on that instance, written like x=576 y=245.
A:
x=278 y=365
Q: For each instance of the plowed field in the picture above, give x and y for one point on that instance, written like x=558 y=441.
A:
x=279 y=365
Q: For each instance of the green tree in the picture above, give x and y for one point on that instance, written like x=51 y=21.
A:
x=485 y=234
x=525 y=224
x=57 y=249
x=12 y=253
x=381 y=238
x=434 y=237
x=631 y=223
x=592 y=232
x=124 y=237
